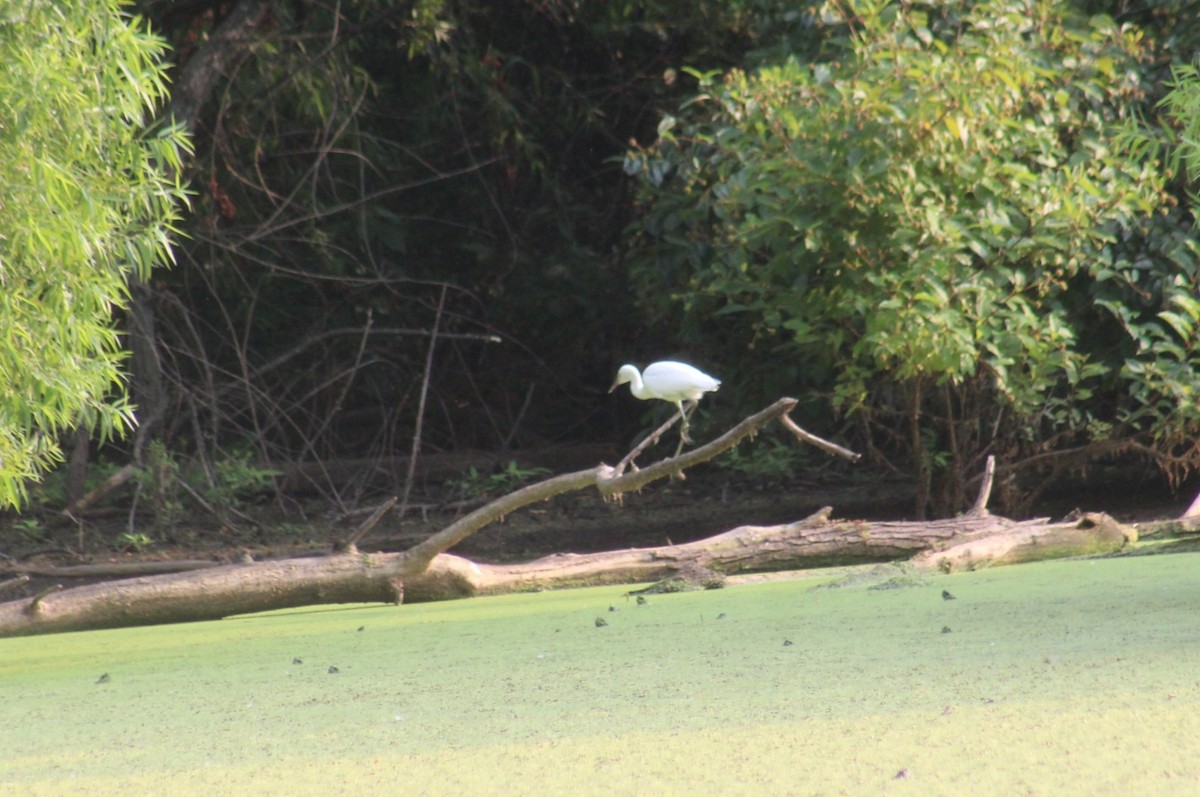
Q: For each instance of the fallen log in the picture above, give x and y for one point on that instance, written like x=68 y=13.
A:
x=967 y=542
x=206 y=594
x=426 y=572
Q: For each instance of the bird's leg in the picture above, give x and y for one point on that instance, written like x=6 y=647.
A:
x=684 y=412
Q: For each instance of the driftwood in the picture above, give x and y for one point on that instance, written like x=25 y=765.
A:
x=426 y=572
x=971 y=542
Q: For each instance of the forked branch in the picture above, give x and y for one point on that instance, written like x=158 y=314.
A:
x=610 y=481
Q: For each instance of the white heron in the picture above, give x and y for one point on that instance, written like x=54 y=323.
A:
x=669 y=381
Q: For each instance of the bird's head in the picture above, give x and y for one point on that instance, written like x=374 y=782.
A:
x=625 y=375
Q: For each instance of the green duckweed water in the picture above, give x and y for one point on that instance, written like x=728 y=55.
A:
x=1075 y=677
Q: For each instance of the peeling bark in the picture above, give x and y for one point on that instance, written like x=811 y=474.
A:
x=1090 y=535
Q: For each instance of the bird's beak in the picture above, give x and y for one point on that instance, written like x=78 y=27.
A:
x=615 y=385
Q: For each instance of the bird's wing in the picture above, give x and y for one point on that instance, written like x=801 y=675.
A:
x=672 y=380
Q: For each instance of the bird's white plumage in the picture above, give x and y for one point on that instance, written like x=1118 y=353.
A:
x=667 y=380
x=670 y=381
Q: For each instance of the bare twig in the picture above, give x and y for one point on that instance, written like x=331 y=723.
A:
x=651 y=439
x=218 y=514
x=516 y=424
x=351 y=373
x=108 y=485
x=369 y=523
x=825 y=445
x=274 y=226
x=13 y=583
x=312 y=340
x=1084 y=453
x=416 y=443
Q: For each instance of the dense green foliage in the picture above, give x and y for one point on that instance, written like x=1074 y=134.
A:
x=960 y=226
x=936 y=227
x=89 y=198
x=1183 y=106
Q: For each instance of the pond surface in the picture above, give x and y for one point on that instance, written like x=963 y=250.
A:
x=1070 y=677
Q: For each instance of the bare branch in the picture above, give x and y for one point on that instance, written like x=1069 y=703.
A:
x=13 y=583
x=425 y=572
x=194 y=84
x=312 y=340
x=272 y=227
x=369 y=523
x=825 y=445
x=416 y=441
x=651 y=439
x=610 y=483
x=113 y=569
x=108 y=485
x=985 y=488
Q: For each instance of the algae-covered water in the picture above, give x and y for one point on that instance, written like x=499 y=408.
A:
x=1076 y=677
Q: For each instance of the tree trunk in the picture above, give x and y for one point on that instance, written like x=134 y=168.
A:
x=191 y=89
